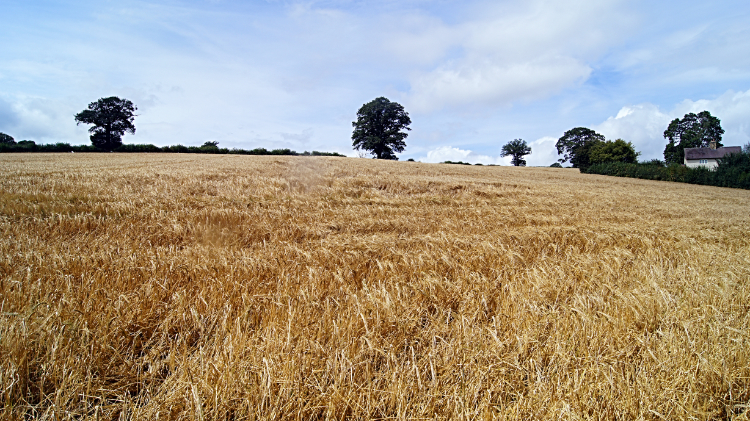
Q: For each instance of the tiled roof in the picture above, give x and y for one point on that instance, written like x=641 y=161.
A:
x=708 y=153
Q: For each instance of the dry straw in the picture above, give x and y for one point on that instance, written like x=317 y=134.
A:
x=229 y=287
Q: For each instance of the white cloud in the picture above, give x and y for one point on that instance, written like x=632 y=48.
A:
x=513 y=52
x=543 y=152
x=702 y=50
x=8 y=115
x=449 y=153
x=487 y=81
x=300 y=138
x=42 y=120
x=420 y=39
x=642 y=124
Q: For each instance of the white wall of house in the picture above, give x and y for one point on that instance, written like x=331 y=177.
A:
x=708 y=163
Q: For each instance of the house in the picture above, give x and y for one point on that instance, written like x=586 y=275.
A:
x=708 y=157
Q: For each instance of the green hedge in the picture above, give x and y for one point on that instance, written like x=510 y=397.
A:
x=29 y=146
x=732 y=171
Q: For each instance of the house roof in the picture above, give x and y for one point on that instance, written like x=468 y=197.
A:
x=708 y=153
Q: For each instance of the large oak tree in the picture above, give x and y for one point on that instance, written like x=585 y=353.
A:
x=380 y=128
x=112 y=117
x=517 y=148
x=575 y=146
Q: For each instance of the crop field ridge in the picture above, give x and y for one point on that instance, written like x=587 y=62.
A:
x=204 y=287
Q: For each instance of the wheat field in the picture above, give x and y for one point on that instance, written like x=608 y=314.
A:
x=155 y=286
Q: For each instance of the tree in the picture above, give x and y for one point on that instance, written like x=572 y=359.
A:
x=379 y=128
x=6 y=139
x=111 y=117
x=613 y=151
x=211 y=144
x=28 y=145
x=575 y=146
x=693 y=131
x=517 y=148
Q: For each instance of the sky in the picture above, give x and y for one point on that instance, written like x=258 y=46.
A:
x=472 y=74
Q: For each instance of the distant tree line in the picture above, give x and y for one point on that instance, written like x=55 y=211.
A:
x=466 y=163
x=207 y=148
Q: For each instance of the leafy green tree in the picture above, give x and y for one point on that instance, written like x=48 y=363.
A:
x=692 y=131
x=575 y=146
x=210 y=144
x=6 y=139
x=517 y=148
x=112 y=117
x=556 y=165
x=613 y=151
x=380 y=128
x=27 y=145
x=655 y=162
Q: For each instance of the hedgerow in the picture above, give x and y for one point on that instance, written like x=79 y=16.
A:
x=30 y=146
x=732 y=171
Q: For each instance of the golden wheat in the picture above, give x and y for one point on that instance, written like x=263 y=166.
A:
x=232 y=287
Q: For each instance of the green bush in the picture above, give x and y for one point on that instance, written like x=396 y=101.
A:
x=175 y=149
x=734 y=171
x=613 y=151
x=138 y=148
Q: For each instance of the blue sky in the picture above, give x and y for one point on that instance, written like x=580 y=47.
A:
x=288 y=74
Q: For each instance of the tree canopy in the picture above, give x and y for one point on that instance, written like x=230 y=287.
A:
x=692 y=131
x=517 y=148
x=613 y=151
x=575 y=146
x=112 y=117
x=380 y=128
x=6 y=139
